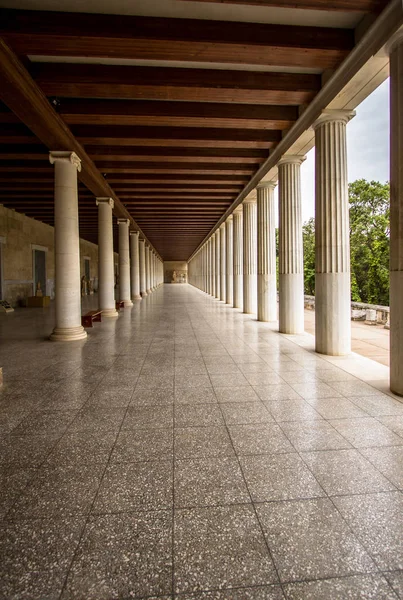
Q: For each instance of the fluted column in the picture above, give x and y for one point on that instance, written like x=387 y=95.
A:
x=238 y=257
x=291 y=265
x=249 y=256
x=222 y=263
x=142 y=259
x=217 y=264
x=266 y=253
x=332 y=235
x=229 y=258
x=148 y=274
x=213 y=264
x=124 y=263
x=135 y=265
x=396 y=213
x=106 y=272
x=67 y=249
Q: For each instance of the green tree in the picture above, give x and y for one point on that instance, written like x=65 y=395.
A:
x=308 y=239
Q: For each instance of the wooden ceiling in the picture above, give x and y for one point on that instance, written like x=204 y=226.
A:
x=177 y=114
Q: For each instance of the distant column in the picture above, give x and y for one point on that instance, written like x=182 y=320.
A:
x=396 y=213
x=124 y=263
x=106 y=273
x=67 y=249
x=249 y=256
x=332 y=235
x=142 y=258
x=222 y=263
x=238 y=257
x=135 y=265
x=266 y=253
x=217 y=264
x=291 y=265
x=213 y=274
x=229 y=257
x=148 y=273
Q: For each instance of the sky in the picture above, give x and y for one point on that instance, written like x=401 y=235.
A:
x=367 y=147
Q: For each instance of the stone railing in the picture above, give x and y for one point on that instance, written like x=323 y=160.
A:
x=371 y=314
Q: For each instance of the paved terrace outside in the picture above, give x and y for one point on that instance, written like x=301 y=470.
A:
x=186 y=448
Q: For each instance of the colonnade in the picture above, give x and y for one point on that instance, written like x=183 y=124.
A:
x=140 y=269
x=245 y=266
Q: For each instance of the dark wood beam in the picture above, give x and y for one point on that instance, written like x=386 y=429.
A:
x=162 y=83
x=362 y=6
x=133 y=37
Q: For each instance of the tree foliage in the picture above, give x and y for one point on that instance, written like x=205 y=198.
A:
x=369 y=243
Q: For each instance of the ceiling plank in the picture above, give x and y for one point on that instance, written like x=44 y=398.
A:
x=336 y=5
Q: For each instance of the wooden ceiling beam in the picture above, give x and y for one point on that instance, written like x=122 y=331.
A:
x=363 y=6
x=156 y=38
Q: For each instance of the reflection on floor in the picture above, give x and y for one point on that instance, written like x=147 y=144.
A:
x=184 y=449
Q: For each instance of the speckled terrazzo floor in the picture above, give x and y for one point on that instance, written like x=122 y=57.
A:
x=185 y=450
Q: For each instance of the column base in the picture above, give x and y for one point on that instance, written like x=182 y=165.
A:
x=144 y=294
x=68 y=334
x=127 y=303
x=149 y=291
x=291 y=307
x=332 y=314
x=109 y=312
x=137 y=297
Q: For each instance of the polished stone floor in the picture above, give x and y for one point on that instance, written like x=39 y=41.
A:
x=185 y=450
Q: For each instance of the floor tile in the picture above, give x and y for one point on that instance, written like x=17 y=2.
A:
x=354 y=388
x=148 y=417
x=26 y=451
x=308 y=391
x=395 y=580
x=209 y=481
x=259 y=439
x=81 y=447
x=199 y=415
x=343 y=472
x=199 y=395
x=279 y=477
x=266 y=592
x=244 y=413
x=156 y=397
x=389 y=461
x=201 y=442
x=365 y=433
x=236 y=394
x=229 y=380
x=379 y=406
x=356 y=587
x=377 y=520
x=143 y=445
x=337 y=408
x=314 y=435
x=292 y=410
x=276 y=392
x=98 y=420
x=127 y=555
x=309 y=540
x=13 y=480
x=218 y=544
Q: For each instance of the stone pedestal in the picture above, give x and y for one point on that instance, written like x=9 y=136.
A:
x=396 y=213
x=229 y=257
x=124 y=263
x=67 y=249
x=106 y=274
x=266 y=253
x=291 y=266
x=249 y=257
x=238 y=257
x=332 y=235
x=135 y=265
x=142 y=260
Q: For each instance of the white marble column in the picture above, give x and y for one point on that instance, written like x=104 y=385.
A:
x=148 y=274
x=213 y=276
x=291 y=264
x=238 y=257
x=217 y=264
x=266 y=253
x=222 y=263
x=124 y=263
x=396 y=213
x=249 y=256
x=142 y=260
x=135 y=265
x=152 y=269
x=332 y=235
x=229 y=257
x=67 y=249
x=106 y=273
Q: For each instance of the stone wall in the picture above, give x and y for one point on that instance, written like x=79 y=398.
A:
x=181 y=268
x=19 y=236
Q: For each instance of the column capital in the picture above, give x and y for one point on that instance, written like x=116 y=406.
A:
x=229 y=219
x=266 y=184
x=329 y=115
x=124 y=221
x=133 y=233
x=142 y=240
x=395 y=40
x=249 y=200
x=66 y=156
x=109 y=201
x=222 y=225
x=238 y=210
x=292 y=159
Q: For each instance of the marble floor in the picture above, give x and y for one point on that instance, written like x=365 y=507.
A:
x=187 y=451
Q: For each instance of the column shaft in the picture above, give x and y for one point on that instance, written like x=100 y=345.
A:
x=213 y=263
x=148 y=274
x=229 y=290
x=217 y=264
x=142 y=258
x=135 y=265
x=67 y=249
x=124 y=263
x=266 y=254
x=238 y=257
x=291 y=266
x=396 y=214
x=106 y=273
x=249 y=257
x=222 y=263
x=332 y=235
